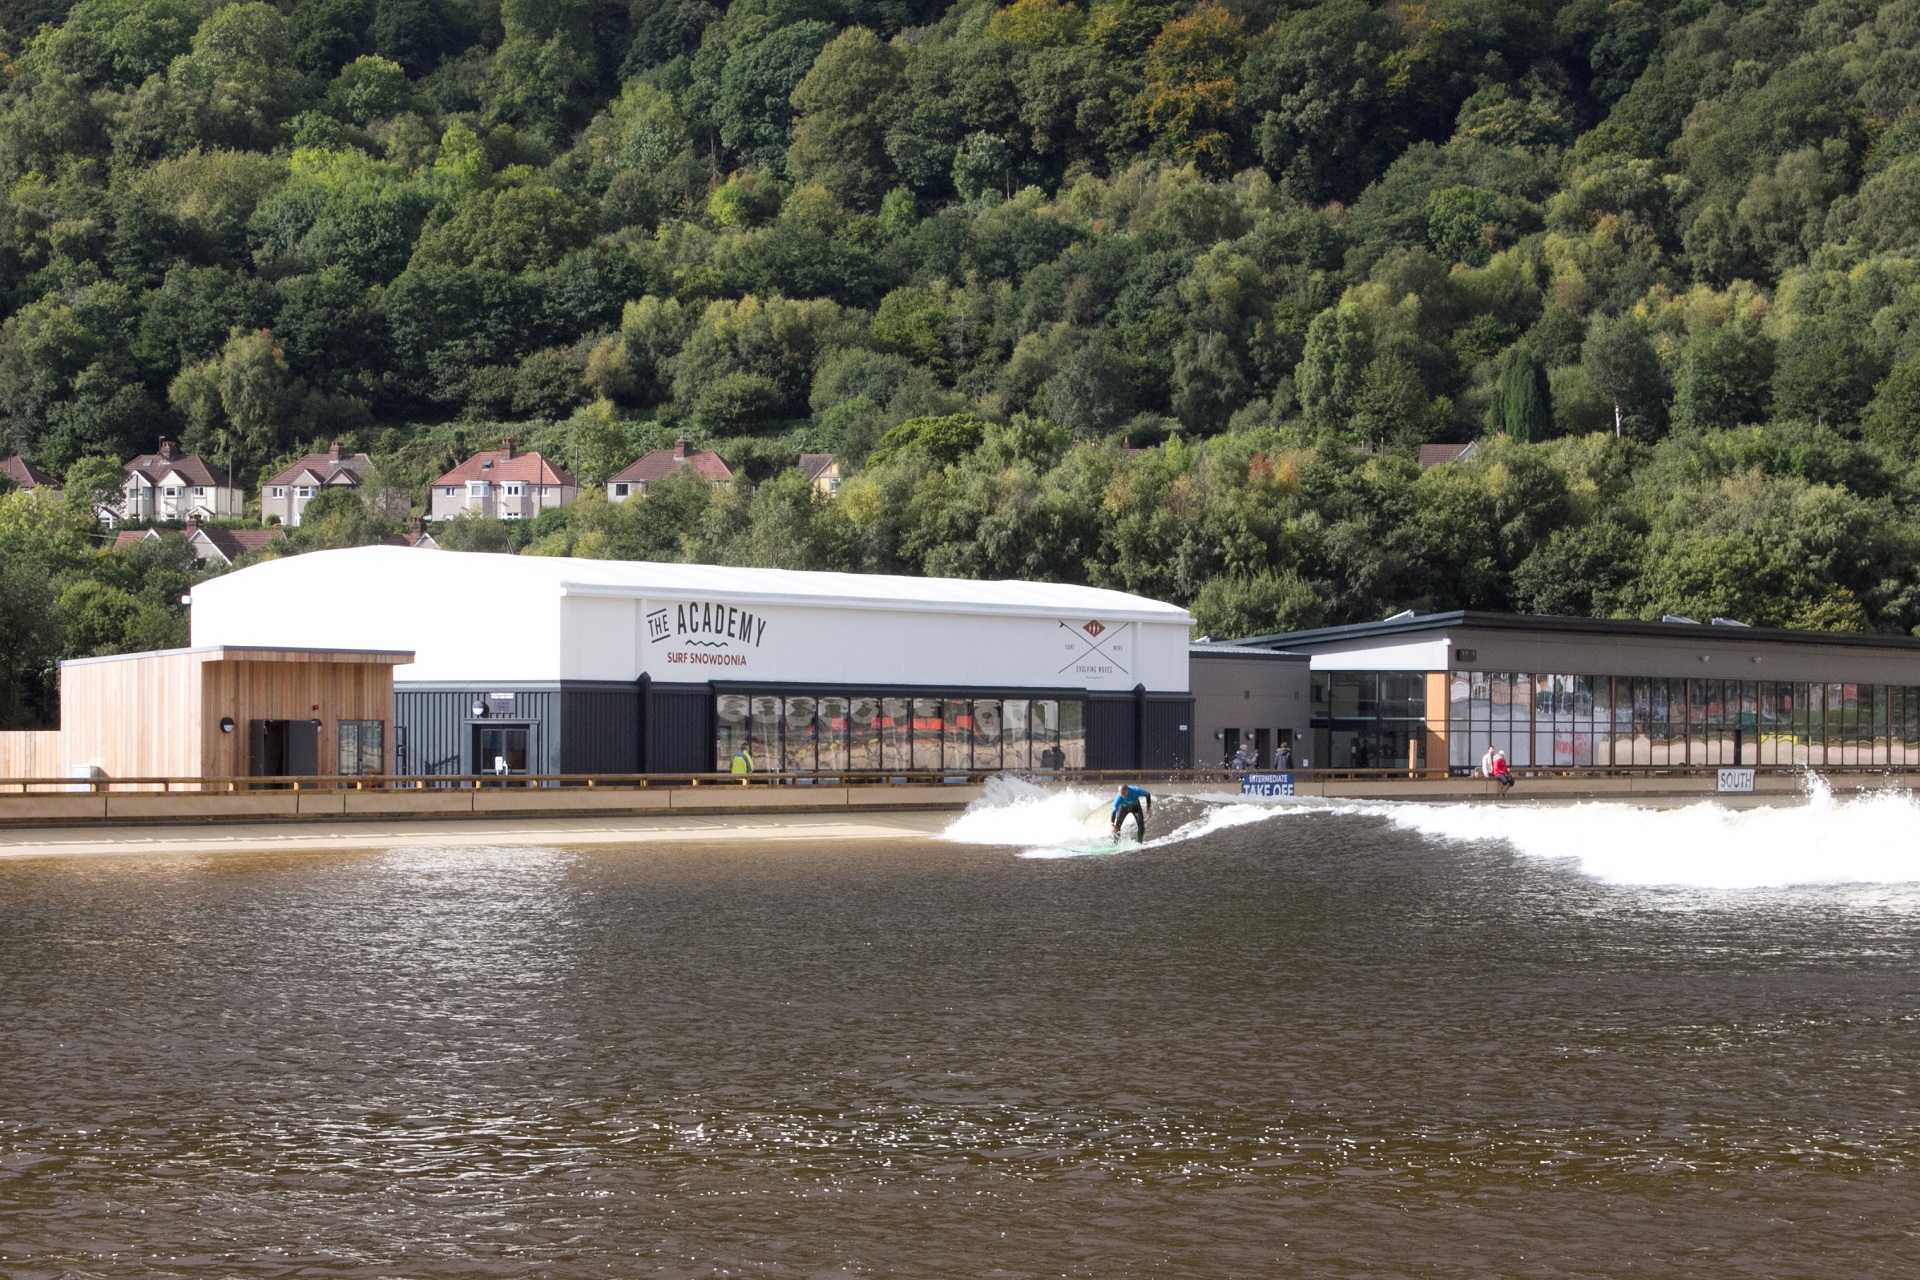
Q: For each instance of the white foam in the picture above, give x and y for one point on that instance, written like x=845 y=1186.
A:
x=1873 y=838
x=1047 y=823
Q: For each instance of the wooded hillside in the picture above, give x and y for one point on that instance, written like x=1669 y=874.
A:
x=1664 y=260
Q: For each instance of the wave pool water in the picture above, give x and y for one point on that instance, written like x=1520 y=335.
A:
x=1866 y=838
x=1289 y=1039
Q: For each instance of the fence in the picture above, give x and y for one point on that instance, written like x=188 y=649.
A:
x=875 y=778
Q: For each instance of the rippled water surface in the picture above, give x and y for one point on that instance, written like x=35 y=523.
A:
x=1324 y=1045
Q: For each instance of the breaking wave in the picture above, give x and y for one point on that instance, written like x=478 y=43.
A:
x=1869 y=838
x=1047 y=823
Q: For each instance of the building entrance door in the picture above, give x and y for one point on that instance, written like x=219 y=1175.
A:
x=500 y=748
x=283 y=748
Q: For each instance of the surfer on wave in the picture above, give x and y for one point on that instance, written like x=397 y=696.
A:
x=1126 y=803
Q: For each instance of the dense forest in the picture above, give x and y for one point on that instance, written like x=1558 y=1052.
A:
x=1154 y=295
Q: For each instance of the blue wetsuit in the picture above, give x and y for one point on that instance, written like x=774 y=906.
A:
x=1127 y=804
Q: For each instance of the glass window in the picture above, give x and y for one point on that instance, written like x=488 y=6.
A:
x=1073 y=734
x=957 y=752
x=1014 y=752
x=896 y=733
x=863 y=733
x=986 y=733
x=830 y=733
x=764 y=732
x=362 y=747
x=796 y=736
x=729 y=729
x=1044 y=734
x=928 y=731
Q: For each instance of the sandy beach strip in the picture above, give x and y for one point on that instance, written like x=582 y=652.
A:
x=288 y=837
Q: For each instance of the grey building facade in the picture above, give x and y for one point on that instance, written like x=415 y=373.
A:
x=1440 y=690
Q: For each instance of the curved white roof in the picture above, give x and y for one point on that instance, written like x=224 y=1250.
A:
x=336 y=572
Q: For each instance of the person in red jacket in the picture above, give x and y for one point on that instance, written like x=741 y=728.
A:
x=1501 y=773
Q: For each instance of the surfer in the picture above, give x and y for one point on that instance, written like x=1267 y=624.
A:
x=1126 y=803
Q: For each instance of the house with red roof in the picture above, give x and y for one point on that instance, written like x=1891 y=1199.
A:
x=286 y=494
x=30 y=479
x=661 y=463
x=169 y=486
x=224 y=546
x=502 y=484
x=210 y=545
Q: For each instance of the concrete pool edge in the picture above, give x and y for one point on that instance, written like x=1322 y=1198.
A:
x=95 y=840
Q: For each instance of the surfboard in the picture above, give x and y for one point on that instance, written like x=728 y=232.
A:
x=1109 y=846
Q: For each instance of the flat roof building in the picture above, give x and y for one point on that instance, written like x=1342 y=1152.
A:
x=1441 y=689
x=549 y=665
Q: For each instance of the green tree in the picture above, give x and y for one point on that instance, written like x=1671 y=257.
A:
x=340 y=518
x=473 y=533
x=841 y=106
x=1623 y=368
x=1392 y=406
x=1236 y=606
x=944 y=439
x=1192 y=87
x=1323 y=91
x=1522 y=405
x=1722 y=381
x=1892 y=420
x=1338 y=351
x=29 y=640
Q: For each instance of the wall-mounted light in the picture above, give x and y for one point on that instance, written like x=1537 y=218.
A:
x=226 y=724
x=479 y=708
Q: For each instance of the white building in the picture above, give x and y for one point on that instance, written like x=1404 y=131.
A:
x=169 y=486
x=605 y=666
x=501 y=484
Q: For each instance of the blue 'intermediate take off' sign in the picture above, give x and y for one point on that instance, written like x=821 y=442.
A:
x=1266 y=784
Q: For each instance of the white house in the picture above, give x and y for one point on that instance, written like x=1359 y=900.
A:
x=169 y=486
x=501 y=484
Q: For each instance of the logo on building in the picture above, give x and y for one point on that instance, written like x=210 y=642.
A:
x=1094 y=650
x=713 y=634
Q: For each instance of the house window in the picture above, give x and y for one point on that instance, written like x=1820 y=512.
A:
x=173 y=493
x=279 y=492
x=304 y=491
x=362 y=747
x=509 y=515
x=619 y=491
x=476 y=488
x=451 y=492
x=199 y=492
x=513 y=490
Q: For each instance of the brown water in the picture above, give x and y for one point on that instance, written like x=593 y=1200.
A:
x=1320 y=1047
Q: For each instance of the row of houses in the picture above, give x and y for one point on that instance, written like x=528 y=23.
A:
x=169 y=487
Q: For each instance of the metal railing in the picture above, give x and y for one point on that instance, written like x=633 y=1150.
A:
x=878 y=778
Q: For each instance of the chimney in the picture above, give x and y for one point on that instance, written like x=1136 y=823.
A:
x=166 y=451
x=333 y=454
x=193 y=521
x=680 y=449
x=506 y=447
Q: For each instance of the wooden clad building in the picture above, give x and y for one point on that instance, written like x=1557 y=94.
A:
x=229 y=711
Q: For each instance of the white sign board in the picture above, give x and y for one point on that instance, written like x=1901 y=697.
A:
x=1266 y=784
x=1736 y=780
